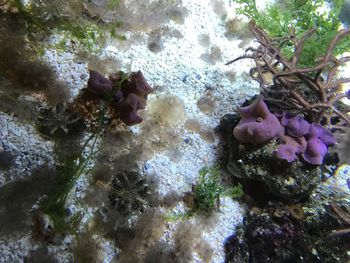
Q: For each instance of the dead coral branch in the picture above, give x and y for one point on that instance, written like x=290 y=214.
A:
x=313 y=91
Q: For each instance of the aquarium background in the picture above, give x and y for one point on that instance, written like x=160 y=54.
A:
x=174 y=131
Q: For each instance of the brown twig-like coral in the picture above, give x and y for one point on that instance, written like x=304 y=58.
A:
x=314 y=92
x=344 y=216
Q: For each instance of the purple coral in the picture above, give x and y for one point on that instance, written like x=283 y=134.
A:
x=315 y=151
x=319 y=139
x=257 y=125
x=318 y=131
x=99 y=84
x=134 y=96
x=137 y=85
x=291 y=148
x=295 y=126
x=130 y=98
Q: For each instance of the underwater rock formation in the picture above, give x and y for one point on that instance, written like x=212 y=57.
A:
x=280 y=151
x=257 y=125
x=278 y=234
x=129 y=93
x=261 y=164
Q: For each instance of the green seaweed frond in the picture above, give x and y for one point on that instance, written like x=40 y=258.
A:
x=73 y=167
x=44 y=18
x=208 y=190
x=302 y=15
x=176 y=216
x=112 y=4
x=76 y=165
x=206 y=195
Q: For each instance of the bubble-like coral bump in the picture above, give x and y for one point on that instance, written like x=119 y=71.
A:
x=257 y=125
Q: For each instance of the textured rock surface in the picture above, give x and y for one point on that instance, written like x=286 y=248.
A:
x=275 y=234
x=22 y=149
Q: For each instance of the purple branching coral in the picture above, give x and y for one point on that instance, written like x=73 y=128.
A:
x=128 y=95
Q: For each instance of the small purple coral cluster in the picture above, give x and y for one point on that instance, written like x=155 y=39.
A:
x=258 y=125
x=309 y=140
x=128 y=96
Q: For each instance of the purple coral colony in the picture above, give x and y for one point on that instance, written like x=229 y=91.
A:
x=258 y=125
x=305 y=102
x=128 y=96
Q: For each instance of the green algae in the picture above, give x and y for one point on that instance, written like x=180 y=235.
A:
x=42 y=19
x=278 y=18
x=205 y=196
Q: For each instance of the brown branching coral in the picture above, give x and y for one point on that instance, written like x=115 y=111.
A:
x=314 y=92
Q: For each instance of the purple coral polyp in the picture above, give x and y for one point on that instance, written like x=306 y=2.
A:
x=295 y=126
x=315 y=151
x=319 y=138
x=99 y=84
x=291 y=148
x=257 y=125
x=286 y=152
x=318 y=131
